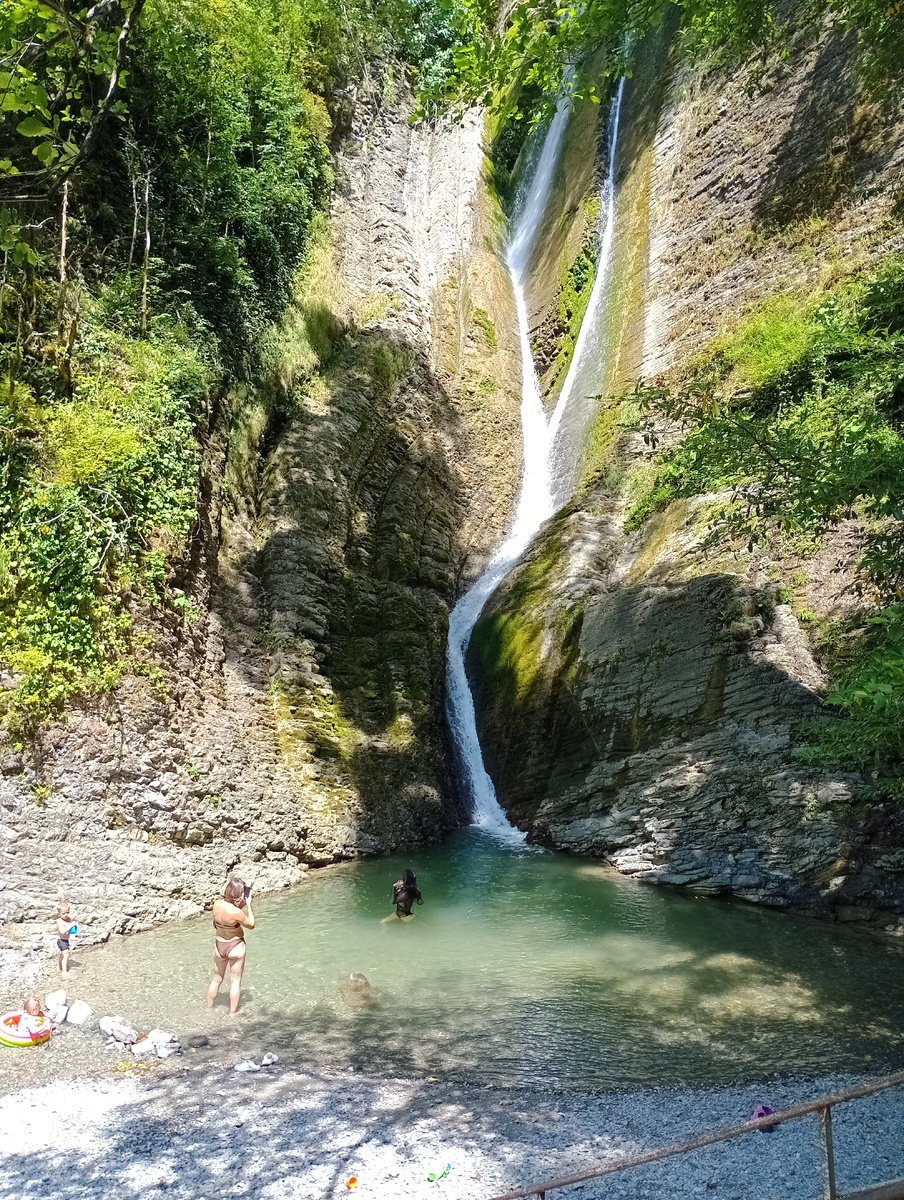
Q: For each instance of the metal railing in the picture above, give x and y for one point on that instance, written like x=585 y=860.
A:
x=822 y=1107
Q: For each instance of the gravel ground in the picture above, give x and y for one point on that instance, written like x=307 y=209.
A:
x=289 y=1135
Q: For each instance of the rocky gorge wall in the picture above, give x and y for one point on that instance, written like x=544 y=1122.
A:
x=639 y=696
x=298 y=718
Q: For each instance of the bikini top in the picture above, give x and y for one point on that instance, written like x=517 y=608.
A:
x=232 y=931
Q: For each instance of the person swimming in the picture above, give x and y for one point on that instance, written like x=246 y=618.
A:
x=404 y=893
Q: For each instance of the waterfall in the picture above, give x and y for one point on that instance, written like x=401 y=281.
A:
x=570 y=422
x=539 y=492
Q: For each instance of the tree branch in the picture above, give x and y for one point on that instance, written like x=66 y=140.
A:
x=93 y=133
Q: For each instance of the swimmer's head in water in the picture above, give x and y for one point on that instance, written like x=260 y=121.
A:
x=358 y=991
x=234 y=891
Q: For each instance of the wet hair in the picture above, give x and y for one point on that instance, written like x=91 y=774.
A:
x=234 y=891
x=409 y=883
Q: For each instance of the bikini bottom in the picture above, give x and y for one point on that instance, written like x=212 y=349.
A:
x=230 y=946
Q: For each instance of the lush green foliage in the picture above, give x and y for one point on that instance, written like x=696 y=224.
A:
x=99 y=492
x=866 y=659
x=797 y=415
x=235 y=150
x=163 y=167
x=61 y=70
x=539 y=39
x=799 y=412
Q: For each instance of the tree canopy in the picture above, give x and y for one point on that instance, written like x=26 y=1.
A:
x=164 y=165
x=534 y=42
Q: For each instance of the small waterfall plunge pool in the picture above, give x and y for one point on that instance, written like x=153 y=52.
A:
x=522 y=966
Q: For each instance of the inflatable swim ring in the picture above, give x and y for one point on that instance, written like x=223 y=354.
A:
x=10 y=1035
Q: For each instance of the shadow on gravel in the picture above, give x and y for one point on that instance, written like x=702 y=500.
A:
x=299 y=1137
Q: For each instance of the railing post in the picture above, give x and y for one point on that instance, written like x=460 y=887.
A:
x=825 y=1124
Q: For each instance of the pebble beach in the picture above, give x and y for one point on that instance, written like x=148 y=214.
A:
x=280 y=1133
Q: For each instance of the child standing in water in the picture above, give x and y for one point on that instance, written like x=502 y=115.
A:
x=405 y=893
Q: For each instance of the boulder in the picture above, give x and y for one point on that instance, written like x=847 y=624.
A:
x=80 y=1013
x=116 y=1028
x=55 y=1006
x=358 y=991
x=162 y=1037
x=144 y=1049
x=164 y=1043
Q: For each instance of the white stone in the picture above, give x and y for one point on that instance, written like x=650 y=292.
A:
x=144 y=1049
x=80 y=1013
x=55 y=1006
x=116 y=1027
x=162 y=1037
x=269 y=1060
x=247 y=1065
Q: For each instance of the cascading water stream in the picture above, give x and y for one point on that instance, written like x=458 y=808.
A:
x=536 y=500
x=570 y=421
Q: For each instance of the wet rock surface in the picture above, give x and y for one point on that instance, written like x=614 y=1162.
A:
x=644 y=707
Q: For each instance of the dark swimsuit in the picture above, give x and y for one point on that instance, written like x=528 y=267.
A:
x=62 y=944
x=403 y=899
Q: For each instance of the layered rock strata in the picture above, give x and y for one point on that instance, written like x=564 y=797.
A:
x=299 y=719
x=643 y=707
x=640 y=698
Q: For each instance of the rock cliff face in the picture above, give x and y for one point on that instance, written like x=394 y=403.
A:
x=657 y=692
x=638 y=696
x=300 y=718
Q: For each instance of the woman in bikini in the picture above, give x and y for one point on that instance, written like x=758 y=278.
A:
x=231 y=917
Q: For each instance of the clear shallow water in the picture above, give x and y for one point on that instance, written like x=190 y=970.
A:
x=522 y=966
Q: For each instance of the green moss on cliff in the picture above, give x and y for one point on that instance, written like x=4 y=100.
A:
x=626 y=296
x=511 y=647
x=486 y=328
x=777 y=333
x=557 y=338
